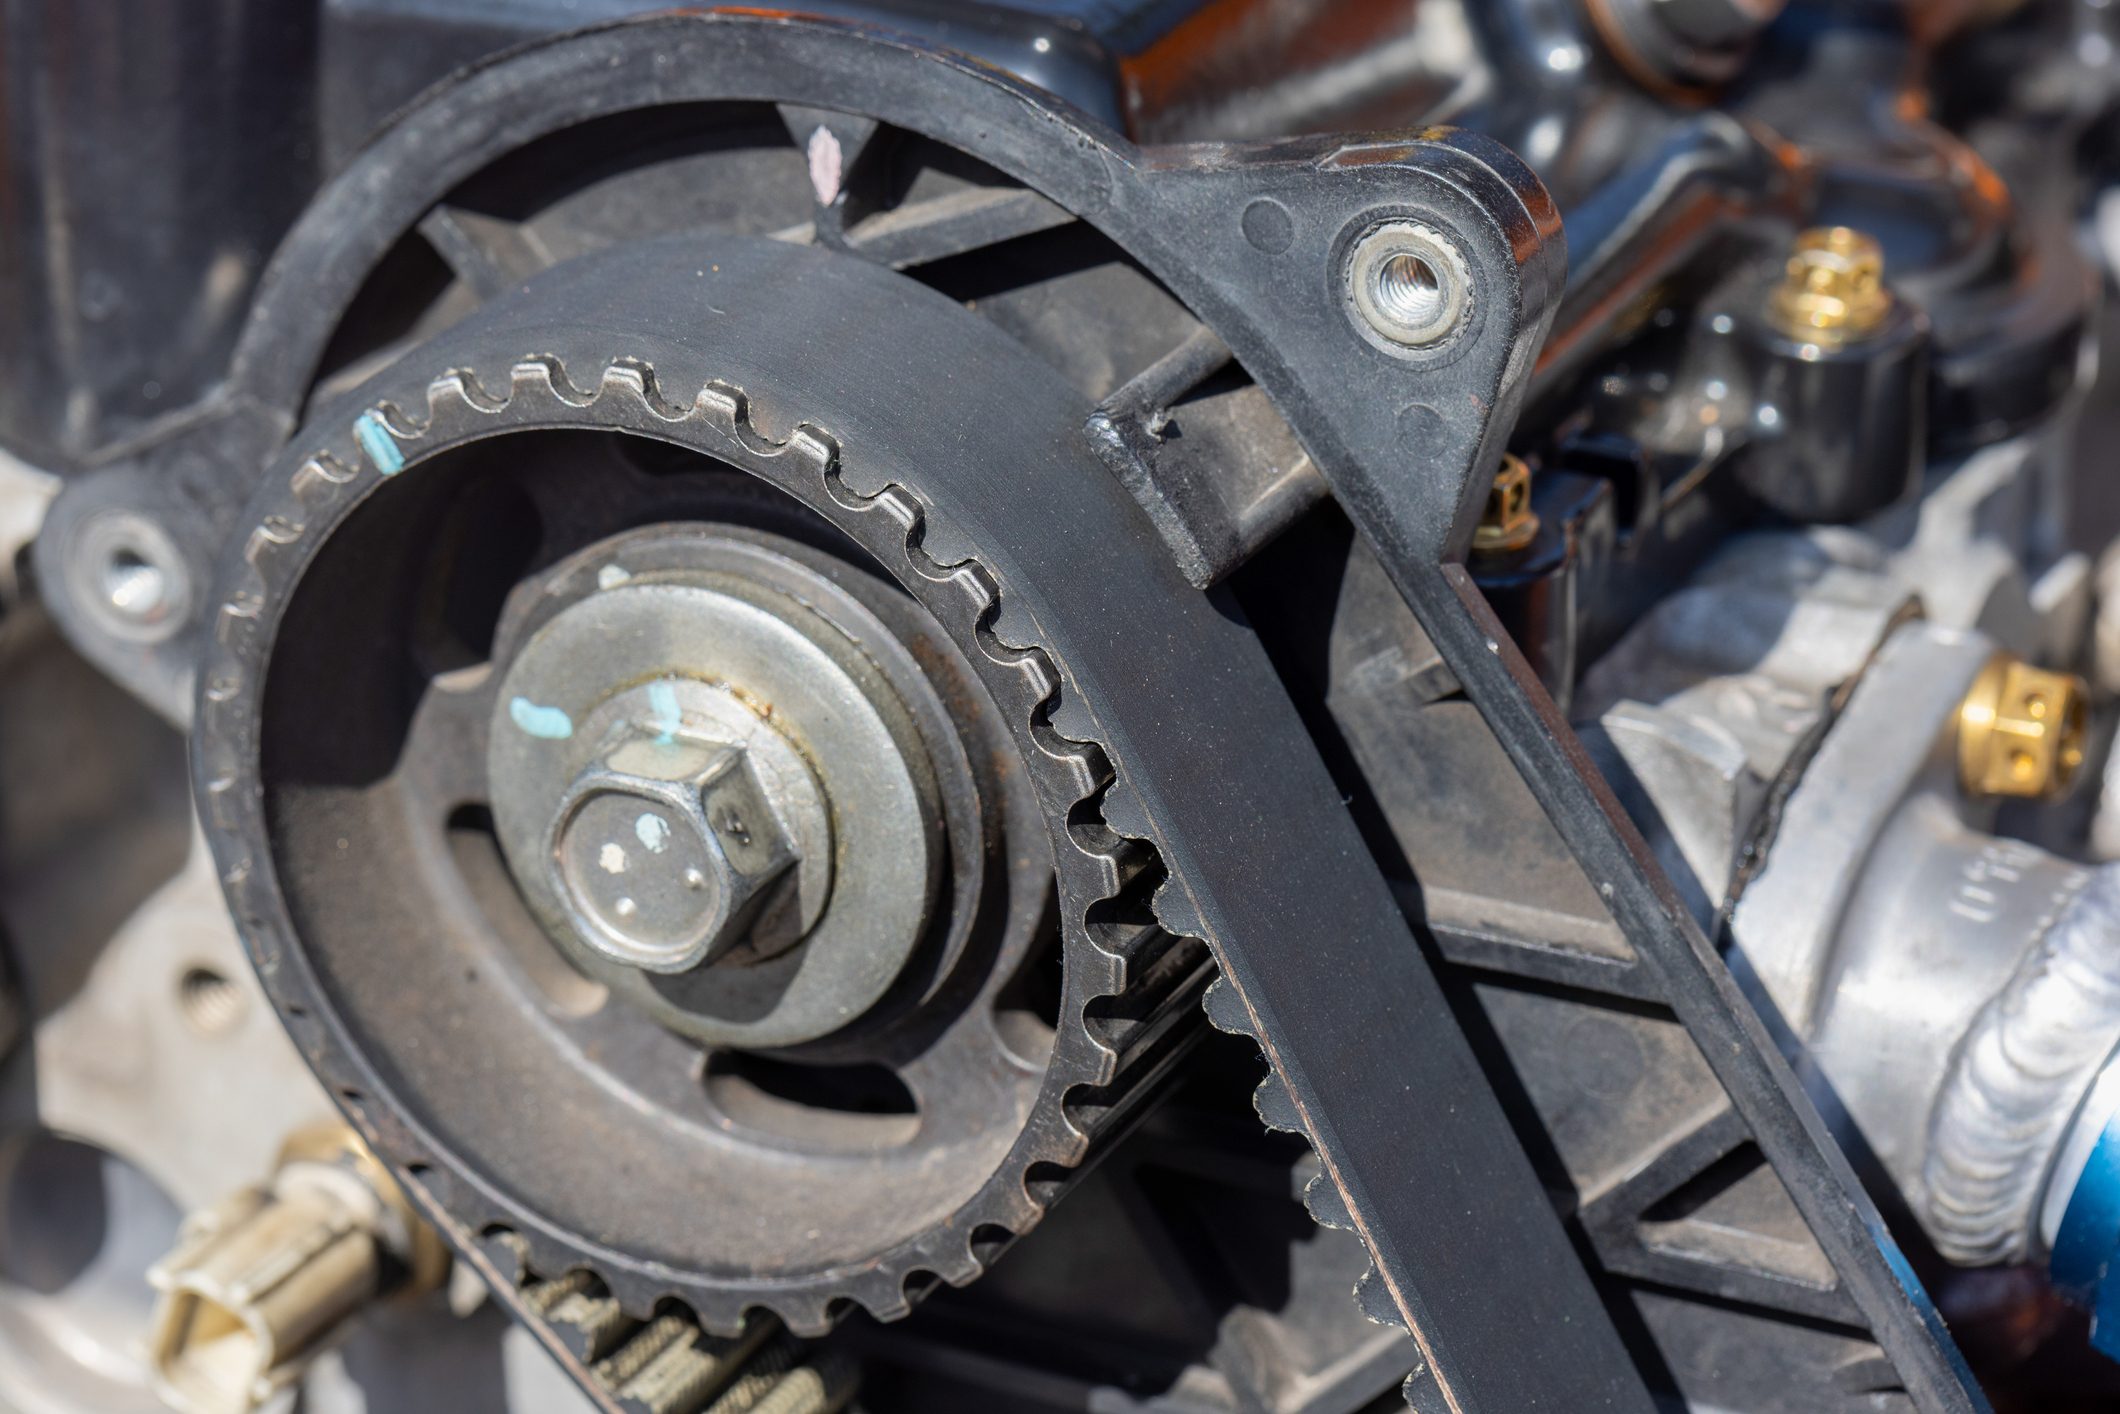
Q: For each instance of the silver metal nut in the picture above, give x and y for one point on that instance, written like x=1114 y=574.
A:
x=1409 y=285
x=668 y=850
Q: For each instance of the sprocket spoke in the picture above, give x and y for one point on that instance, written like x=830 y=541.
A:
x=443 y=765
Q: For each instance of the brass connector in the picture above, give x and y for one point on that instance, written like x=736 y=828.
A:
x=1508 y=523
x=264 y=1280
x=1832 y=289
x=2021 y=730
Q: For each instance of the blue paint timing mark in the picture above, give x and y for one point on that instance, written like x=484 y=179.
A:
x=551 y=723
x=376 y=441
x=662 y=701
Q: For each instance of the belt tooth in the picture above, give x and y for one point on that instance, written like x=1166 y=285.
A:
x=820 y=1388
x=758 y=1379
x=1327 y=1204
x=1277 y=1109
x=650 y=1341
x=542 y=1296
x=593 y=1324
x=1226 y=1010
x=1374 y=1298
x=686 y=1369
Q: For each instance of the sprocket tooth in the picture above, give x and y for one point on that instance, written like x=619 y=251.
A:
x=1374 y=1299
x=946 y=546
x=1276 y=1107
x=544 y=376
x=884 y=1301
x=1019 y=1211
x=751 y=432
x=397 y=422
x=955 y=1261
x=457 y=393
x=1108 y=982
x=632 y=380
x=883 y=495
x=717 y=405
x=1327 y=1204
x=972 y=591
x=809 y=1315
x=272 y=535
x=725 y=1319
x=1014 y=628
x=814 y=445
x=380 y=433
x=1119 y=860
x=318 y=476
x=1226 y=1010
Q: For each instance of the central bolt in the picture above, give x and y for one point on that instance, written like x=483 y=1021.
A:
x=672 y=851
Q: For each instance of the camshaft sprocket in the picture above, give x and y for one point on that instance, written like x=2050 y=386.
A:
x=1128 y=987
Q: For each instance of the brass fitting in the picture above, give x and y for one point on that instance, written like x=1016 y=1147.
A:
x=1832 y=289
x=2021 y=730
x=263 y=1281
x=1508 y=523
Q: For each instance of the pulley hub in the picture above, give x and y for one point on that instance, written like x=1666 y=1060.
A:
x=711 y=792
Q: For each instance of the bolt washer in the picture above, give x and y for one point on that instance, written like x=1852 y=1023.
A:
x=748 y=628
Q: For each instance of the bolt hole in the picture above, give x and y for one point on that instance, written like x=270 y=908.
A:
x=126 y=570
x=858 y=1107
x=211 y=1001
x=1408 y=290
x=134 y=585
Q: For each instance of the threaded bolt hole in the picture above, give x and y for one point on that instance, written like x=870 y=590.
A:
x=1408 y=289
x=134 y=586
x=1409 y=285
x=210 y=1000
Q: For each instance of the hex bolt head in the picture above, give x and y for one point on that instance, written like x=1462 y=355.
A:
x=668 y=850
x=2021 y=731
x=1507 y=524
x=1832 y=287
x=1409 y=285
